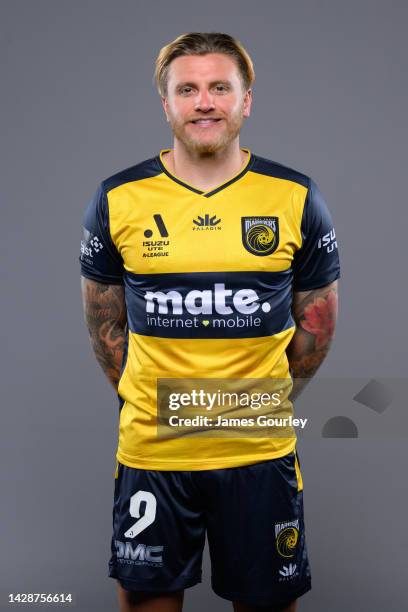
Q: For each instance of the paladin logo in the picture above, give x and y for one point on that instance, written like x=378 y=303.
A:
x=156 y=248
x=206 y=223
x=260 y=235
x=288 y=572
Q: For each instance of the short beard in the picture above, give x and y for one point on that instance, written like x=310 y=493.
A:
x=208 y=148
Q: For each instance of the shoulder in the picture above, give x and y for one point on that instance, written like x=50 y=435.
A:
x=268 y=167
x=143 y=170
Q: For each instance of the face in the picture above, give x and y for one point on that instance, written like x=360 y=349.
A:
x=206 y=102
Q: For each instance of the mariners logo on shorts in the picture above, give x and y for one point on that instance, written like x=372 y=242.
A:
x=287 y=536
x=260 y=235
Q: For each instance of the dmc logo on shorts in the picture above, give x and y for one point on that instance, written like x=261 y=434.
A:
x=138 y=554
x=287 y=536
x=260 y=235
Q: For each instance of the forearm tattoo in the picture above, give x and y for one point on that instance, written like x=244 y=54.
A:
x=315 y=313
x=105 y=317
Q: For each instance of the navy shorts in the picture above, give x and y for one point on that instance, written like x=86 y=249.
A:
x=253 y=517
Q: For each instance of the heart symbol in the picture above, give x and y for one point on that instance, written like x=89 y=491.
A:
x=206 y=323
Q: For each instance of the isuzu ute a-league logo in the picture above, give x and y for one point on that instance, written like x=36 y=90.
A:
x=156 y=248
x=260 y=235
x=136 y=553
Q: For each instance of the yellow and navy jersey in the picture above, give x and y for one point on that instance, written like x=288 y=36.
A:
x=208 y=278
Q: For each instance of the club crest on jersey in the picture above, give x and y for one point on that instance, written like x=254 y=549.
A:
x=260 y=235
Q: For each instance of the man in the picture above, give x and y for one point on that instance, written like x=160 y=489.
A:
x=207 y=262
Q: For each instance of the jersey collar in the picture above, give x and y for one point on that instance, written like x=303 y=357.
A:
x=206 y=194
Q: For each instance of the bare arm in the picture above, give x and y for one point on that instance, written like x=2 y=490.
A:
x=315 y=314
x=105 y=317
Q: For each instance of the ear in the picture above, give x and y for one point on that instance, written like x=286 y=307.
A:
x=247 y=103
x=165 y=107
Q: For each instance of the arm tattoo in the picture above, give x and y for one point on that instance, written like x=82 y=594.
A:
x=105 y=317
x=315 y=313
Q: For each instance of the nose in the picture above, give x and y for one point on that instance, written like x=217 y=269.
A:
x=204 y=101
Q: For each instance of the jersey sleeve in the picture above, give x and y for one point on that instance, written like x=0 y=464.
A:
x=99 y=258
x=316 y=263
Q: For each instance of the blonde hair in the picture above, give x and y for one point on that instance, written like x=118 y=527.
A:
x=201 y=43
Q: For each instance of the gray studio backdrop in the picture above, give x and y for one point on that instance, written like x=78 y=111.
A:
x=78 y=104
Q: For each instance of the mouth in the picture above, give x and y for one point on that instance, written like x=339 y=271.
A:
x=205 y=122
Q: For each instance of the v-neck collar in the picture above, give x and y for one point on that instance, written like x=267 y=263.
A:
x=206 y=194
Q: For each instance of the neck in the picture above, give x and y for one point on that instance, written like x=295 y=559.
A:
x=205 y=171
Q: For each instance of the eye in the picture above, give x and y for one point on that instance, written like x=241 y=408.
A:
x=186 y=89
x=221 y=88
